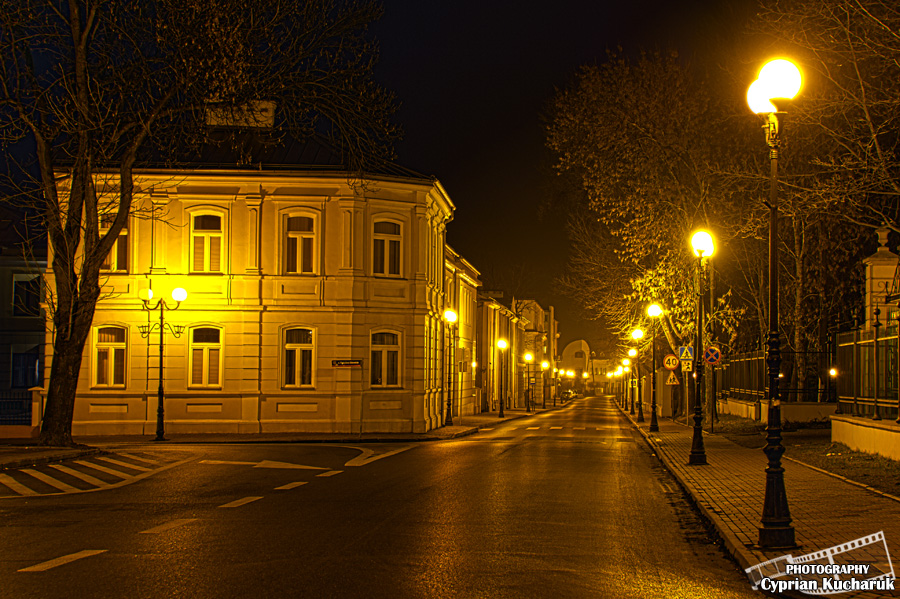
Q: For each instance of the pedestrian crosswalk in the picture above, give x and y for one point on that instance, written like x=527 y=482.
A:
x=91 y=473
x=553 y=429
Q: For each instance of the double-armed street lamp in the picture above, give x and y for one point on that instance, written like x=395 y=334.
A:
x=703 y=245
x=450 y=317
x=502 y=345
x=778 y=82
x=178 y=296
x=654 y=312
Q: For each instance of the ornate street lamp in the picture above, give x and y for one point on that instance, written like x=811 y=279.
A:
x=778 y=81
x=450 y=317
x=545 y=365
x=637 y=335
x=629 y=396
x=501 y=345
x=654 y=312
x=529 y=358
x=703 y=245
x=178 y=295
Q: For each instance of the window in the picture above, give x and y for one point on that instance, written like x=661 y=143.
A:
x=579 y=354
x=206 y=243
x=299 y=252
x=298 y=358
x=385 y=359
x=117 y=258
x=206 y=357
x=25 y=369
x=386 y=251
x=26 y=295
x=110 y=366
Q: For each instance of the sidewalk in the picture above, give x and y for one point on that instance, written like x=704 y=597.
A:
x=21 y=453
x=827 y=510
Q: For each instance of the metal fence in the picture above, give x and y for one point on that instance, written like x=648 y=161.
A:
x=15 y=407
x=858 y=360
x=745 y=376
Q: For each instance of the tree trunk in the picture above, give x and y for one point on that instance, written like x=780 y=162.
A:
x=799 y=375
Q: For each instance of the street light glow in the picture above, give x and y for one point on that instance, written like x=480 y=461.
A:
x=632 y=352
x=654 y=311
x=529 y=357
x=833 y=372
x=626 y=362
x=545 y=365
x=637 y=334
x=450 y=316
x=779 y=78
x=501 y=344
x=702 y=242
x=178 y=294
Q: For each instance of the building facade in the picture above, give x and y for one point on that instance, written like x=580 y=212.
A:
x=314 y=303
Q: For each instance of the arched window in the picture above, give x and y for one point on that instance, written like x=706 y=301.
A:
x=206 y=243
x=206 y=357
x=299 y=358
x=385 y=360
x=110 y=347
x=300 y=245
x=386 y=249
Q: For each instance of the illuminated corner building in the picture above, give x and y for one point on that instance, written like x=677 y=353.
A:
x=314 y=297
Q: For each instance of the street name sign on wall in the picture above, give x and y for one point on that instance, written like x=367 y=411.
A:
x=670 y=362
x=346 y=363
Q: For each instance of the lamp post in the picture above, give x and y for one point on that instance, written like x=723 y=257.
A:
x=545 y=366
x=778 y=81
x=629 y=396
x=450 y=317
x=529 y=358
x=703 y=245
x=501 y=345
x=619 y=389
x=178 y=296
x=653 y=311
x=637 y=335
x=875 y=325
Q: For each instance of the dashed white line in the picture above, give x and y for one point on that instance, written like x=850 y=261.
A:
x=330 y=473
x=138 y=458
x=555 y=428
x=240 y=502
x=578 y=428
x=290 y=486
x=486 y=429
x=63 y=560
x=168 y=526
x=533 y=428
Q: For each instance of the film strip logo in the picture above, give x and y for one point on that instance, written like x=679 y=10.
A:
x=870 y=550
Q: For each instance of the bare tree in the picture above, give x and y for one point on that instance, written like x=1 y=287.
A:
x=91 y=88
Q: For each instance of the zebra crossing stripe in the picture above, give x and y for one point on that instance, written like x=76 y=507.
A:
x=103 y=469
x=240 y=502
x=80 y=475
x=123 y=464
x=63 y=560
x=16 y=485
x=58 y=484
x=131 y=456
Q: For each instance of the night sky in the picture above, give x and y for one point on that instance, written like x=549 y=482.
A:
x=474 y=79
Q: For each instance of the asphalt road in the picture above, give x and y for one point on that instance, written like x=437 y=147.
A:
x=567 y=504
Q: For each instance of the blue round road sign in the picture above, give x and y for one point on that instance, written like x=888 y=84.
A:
x=712 y=355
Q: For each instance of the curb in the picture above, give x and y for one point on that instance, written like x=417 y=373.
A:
x=47 y=459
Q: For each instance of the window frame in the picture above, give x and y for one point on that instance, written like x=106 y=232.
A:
x=111 y=262
x=110 y=362
x=387 y=239
x=24 y=311
x=299 y=348
x=300 y=236
x=206 y=361
x=383 y=352
x=207 y=235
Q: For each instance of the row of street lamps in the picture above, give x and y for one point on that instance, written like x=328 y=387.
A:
x=778 y=82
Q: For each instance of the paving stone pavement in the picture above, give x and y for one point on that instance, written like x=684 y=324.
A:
x=827 y=510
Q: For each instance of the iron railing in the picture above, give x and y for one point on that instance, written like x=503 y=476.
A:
x=15 y=407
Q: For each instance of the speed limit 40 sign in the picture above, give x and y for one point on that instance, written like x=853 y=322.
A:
x=670 y=362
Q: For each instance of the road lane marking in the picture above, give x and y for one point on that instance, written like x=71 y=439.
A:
x=228 y=463
x=264 y=464
x=63 y=560
x=367 y=456
x=138 y=458
x=240 y=502
x=103 y=469
x=555 y=428
x=290 y=486
x=578 y=428
x=486 y=429
x=80 y=475
x=167 y=526
x=533 y=428
x=58 y=484
x=330 y=473
x=123 y=464
x=16 y=485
